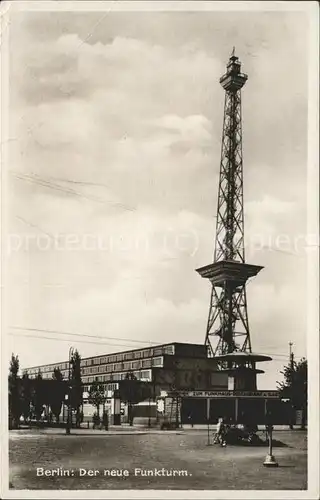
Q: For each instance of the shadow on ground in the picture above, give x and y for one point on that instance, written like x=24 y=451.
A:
x=260 y=444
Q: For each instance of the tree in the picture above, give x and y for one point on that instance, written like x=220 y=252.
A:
x=57 y=393
x=131 y=396
x=25 y=395
x=132 y=391
x=295 y=386
x=76 y=386
x=38 y=396
x=14 y=396
x=96 y=395
x=57 y=375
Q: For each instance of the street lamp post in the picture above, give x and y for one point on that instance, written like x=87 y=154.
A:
x=155 y=400
x=208 y=422
x=149 y=408
x=149 y=416
x=151 y=389
x=68 y=426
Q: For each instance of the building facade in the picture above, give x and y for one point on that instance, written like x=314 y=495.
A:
x=185 y=368
x=174 y=366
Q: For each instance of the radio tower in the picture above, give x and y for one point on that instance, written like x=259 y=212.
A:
x=228 y=325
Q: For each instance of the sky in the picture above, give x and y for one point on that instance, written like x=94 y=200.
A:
x=115 y=123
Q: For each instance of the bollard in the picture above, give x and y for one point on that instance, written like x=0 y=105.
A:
x=270 y=460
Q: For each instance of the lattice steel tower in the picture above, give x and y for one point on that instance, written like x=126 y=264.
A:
x=228 y=326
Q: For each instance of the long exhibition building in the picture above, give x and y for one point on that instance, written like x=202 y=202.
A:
x=184 y=365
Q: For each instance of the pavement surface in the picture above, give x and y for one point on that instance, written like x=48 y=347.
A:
x=139 y=458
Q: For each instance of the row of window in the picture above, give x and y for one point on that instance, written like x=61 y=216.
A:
x=132 y=355
x=140 y=375
x=115 y=369
x=107 y=387
x=107 y=402
x=129 y=365
x=48 y=375
x=48 y=368
x=112 y=358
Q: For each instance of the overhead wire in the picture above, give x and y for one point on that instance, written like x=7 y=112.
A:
x=41 y=181
x=68 y=340
x=35 y=226
x=105 y=339
x=73 y=334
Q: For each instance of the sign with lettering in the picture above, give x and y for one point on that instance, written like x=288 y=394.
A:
x=228 y=394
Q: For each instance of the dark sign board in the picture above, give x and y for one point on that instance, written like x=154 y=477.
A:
x=228 y=394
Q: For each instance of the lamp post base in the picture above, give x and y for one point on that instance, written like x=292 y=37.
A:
x=270 y=461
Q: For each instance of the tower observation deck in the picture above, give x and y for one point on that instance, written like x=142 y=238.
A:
x=227 y=330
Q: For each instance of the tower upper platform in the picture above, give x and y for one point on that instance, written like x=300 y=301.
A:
x=233 y=79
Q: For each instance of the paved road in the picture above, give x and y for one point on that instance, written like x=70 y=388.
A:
x=156 y=460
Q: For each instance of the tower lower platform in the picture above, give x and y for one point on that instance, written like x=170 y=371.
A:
x=241 y=369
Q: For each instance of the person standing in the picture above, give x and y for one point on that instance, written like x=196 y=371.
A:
x=220 y=435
